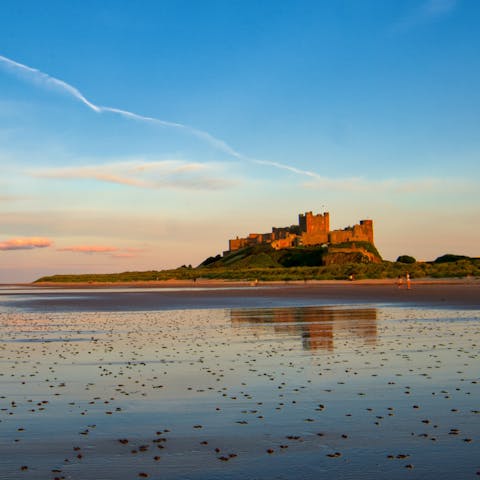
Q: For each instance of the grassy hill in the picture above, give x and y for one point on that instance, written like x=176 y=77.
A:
x=264 y=256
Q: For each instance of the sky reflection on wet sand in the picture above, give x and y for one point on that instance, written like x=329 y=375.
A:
x=350 y=392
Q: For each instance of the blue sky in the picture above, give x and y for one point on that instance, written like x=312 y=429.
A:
x=247 y=113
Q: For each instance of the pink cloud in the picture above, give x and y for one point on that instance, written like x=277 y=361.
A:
x=25 y=243
x=89 y=249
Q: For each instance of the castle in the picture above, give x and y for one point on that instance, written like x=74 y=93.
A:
x=311 y=230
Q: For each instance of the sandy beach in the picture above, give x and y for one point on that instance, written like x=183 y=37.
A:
x=217 y=294
x=203 y=282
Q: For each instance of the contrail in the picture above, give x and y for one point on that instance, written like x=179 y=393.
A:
x=287 y=167
x=42 y=77
x=220 y=144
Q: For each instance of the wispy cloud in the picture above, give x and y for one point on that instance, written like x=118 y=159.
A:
x=111 y=251
x=428 y=11
x=25 y=243
x=146 y=174
x=43 y=78
x=89 y=249
x=363 y=185
x=178 y=174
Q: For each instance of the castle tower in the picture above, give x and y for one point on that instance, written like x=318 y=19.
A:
x=314 y=228
x=310 y=223
x=367 y=229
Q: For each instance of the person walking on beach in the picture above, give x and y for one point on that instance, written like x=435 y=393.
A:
x=407 y=277
x=400 y=281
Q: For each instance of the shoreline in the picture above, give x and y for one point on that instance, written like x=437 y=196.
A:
x=214 y=283
x=175 y=295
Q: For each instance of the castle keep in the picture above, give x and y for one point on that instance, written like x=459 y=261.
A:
x=311 y=230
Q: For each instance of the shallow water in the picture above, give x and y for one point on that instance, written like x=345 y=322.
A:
x=278 y=391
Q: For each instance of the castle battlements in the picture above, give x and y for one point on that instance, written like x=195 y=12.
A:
x=311 y=230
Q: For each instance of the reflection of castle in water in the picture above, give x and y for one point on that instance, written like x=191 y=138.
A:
x=317 y=326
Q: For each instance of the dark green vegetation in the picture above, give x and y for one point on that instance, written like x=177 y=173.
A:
x=264 y=256
x=263 y=263
x=449 y=258
x=406 y=259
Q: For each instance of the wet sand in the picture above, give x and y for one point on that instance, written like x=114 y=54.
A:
x=353 y=392
x=353 y=380
x=448 y=294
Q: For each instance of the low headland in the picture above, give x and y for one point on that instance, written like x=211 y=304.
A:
x=262 y=263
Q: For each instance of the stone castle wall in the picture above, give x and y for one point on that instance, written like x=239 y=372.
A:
x=311 y=230
x=291 y=240
x=362 y=232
